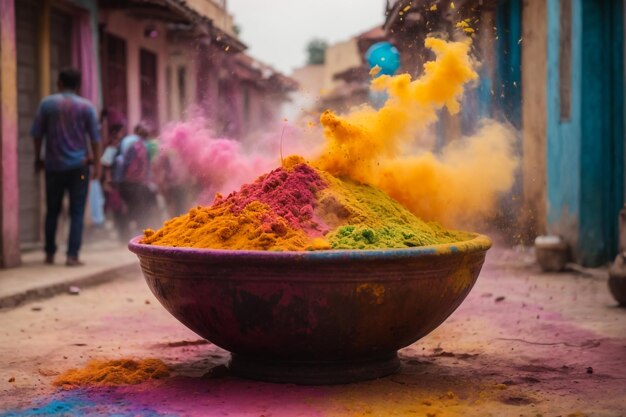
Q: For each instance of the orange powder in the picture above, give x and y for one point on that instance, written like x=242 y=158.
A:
x=99 y=373
x=255 y=227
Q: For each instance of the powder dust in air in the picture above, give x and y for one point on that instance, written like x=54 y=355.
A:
x=385 y=148
x=371 y=146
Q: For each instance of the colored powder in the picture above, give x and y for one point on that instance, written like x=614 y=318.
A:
x=99 y=373
x=297 y=207
x=212 y=164
x=77 y=403
x=377 y=147
x=289 y=192
x=363 y=217
x=273 y=213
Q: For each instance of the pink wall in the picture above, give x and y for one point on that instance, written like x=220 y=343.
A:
x=132 y=31
x=9 y=211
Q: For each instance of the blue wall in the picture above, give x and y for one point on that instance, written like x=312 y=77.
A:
x=508 y=83
x=585 y=151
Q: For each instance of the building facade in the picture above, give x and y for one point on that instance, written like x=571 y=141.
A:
x=555 y=71
x=147 y=59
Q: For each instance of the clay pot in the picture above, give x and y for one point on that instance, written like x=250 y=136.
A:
x=321 y=317
x=552 y=253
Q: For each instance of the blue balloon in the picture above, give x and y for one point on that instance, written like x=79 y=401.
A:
x=385 y=55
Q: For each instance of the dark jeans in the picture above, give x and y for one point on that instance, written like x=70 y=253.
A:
x=76 y=182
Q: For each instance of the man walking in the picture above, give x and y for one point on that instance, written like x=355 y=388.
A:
x=66 y=121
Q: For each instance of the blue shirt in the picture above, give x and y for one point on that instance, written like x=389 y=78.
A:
x=66 y=121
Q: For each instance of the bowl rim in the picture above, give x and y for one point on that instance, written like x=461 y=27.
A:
x=479 y=243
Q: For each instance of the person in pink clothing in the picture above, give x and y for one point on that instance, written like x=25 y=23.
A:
x=135 y=180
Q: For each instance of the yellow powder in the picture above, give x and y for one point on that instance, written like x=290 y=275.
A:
x=99 y=373
x=370 y=146
x=363 y=217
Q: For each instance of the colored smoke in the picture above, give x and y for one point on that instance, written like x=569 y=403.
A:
x=214 y=164
x=387 y=148
x=371 y=146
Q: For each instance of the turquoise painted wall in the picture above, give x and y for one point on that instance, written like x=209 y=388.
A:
x=563 y=136
x=508 y=78
x=585 y=151
x=602 y=145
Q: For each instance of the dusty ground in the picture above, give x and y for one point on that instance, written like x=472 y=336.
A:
x=522 y=344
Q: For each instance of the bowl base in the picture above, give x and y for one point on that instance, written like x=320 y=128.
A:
x=313 y=373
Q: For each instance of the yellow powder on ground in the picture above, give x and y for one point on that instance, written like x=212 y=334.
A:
x=100 y=373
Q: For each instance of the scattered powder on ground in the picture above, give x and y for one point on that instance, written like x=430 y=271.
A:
x=100 y=373
x=297 y=207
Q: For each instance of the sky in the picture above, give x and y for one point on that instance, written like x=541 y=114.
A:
x=277 y=31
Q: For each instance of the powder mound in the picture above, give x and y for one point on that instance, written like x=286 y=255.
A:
x=364 y=217
x=290 y=193
x=275 y=212
x=100 y=373
x=298 y=207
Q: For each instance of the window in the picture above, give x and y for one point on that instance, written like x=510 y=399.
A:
x=114 y=68
x=148 y=86
x=182 y=87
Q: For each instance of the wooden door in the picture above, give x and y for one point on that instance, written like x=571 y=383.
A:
x=114 y=70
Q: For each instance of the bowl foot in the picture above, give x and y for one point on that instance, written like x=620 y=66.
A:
x=313 y=373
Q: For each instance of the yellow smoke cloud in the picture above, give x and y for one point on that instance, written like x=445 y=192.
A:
x=370 y=145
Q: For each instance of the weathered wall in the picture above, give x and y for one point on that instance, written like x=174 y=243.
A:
x=214 y=11
x=534 y=73
x=585 y=145
x=563 y=145
x=132 y=30
x=181 y=55
x=310 y=79
x=340 y=57
x=9 y=213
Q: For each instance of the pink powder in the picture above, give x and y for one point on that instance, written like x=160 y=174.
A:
x=215 y=164
x=290 y=194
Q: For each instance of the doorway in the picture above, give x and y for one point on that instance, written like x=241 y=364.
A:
x=602 y=117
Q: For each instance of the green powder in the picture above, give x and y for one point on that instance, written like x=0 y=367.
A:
x=363 y=217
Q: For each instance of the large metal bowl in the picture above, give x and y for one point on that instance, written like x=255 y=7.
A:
x=317 y=317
